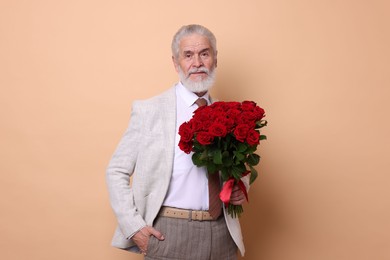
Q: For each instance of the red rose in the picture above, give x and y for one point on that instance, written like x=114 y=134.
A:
x=217 y=105
x=217 y=115
x=248 y=118
x=218 y=129
x=196 y=125
x=229 y=123
x=234 y=105
x=185 y=132
x=233 y=113
x=204 y=138
x=241 y=132
x=199 y=109
x=185 y=146
x=204 y=114
x=248 y=105
x=206 y=125
x=259 y=112
x=220 y=107
x=253 y=137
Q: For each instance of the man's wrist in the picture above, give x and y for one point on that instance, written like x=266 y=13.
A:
x=131 y=236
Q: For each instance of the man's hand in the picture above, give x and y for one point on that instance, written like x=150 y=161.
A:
x=237 y=197
x=141 y=238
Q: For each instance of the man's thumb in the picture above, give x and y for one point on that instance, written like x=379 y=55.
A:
x=156 y=233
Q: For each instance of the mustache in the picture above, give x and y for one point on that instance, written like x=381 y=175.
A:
x=197 y=70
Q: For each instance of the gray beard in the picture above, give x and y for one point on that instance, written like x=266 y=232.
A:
x=197 y=86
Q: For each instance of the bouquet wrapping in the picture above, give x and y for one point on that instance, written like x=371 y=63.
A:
x=224 y=138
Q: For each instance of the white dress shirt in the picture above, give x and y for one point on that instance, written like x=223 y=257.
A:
x=188 y=188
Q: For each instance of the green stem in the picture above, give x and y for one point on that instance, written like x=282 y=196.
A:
x=235 y=210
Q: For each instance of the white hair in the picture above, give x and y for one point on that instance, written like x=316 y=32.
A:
x=192 y=29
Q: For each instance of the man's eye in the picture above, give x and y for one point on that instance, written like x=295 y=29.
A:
x=205 y=54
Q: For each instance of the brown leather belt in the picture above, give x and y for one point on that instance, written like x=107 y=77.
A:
x=199 y=215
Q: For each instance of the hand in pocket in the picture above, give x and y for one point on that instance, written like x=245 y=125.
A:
x=141 y=238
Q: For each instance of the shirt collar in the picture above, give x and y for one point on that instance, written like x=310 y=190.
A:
x=189 y=97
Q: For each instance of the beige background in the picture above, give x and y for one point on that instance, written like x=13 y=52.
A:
x=69 y=71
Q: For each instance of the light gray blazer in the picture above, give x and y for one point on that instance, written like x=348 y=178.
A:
x=147 y=149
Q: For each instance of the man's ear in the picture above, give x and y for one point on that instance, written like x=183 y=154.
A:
x=216 y=58
x=175 y=64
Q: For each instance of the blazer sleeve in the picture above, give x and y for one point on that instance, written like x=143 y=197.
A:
x=120 y=169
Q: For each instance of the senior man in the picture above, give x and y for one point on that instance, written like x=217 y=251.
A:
x=171 y=209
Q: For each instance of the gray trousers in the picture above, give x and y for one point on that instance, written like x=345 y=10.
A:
x=191 y=240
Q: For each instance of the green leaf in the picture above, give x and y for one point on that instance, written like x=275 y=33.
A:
x=251 y=149
x=224 y=174
x=263 y=137
x=241 y=147
x=227 y=162
x=235 y=210
x=253 y=159
x=198 y=146
x=238 y=170
x=239 y=156
x=225 y=154
x=196 y=159
x=211 y=167
x=217 y=157
x=262 y=123
x=204 y=155
x=254 y=175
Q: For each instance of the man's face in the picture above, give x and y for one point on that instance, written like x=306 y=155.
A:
x=196 y=62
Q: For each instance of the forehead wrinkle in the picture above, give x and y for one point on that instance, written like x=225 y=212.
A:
x=196 y=48
x=194 y=42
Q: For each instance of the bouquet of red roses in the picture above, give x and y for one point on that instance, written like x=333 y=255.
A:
x=224 y=137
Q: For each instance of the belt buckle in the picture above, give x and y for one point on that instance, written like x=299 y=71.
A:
x=197 y=215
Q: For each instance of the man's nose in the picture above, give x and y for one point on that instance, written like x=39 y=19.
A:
x=197 y=61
